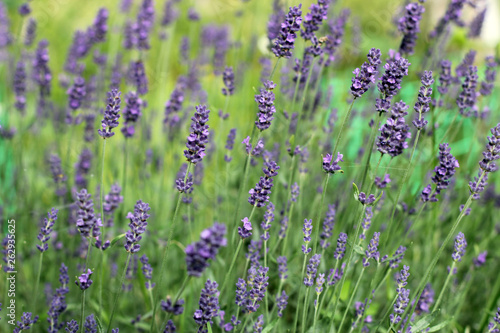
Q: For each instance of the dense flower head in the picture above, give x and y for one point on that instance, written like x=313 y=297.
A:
x=281 y=303
x=466 y=100
x=381 y=183
x=72 y=326
x=100 y=27
x=259 y=195
x=46 y=230
x=228 y=79
x=445 y=77
x=393 y=134
x=198 y=138
x=246 y=230
x=138 y=77
x=397 y=258
x=492 y=151
x=446 y=168
x=76 y=93
x=282 y=267
x=170 y=326
x=41 y=71
x=257 y=287
x=460 y=246
x=367 y=221
x=90 y=324
x=494 y=327
x=285 y=42
x=476 y=25
x=144 y=24
x=478 y=184
x=26 y=322
x=175 y=309
x=341 y=244
x=422 y=105
x=266 y=223
x=131 y=113
x=58 y=301
x=366 y=200
x=82 y=168
x=335 y=275
x=330 y=166
x=307 y=230
x=313 y=20
x=328 y=225
x=137 y=225
x=111 y=114
x=173 y=106
x=372 y=250
x=30 y=32
x=19 y=86
x=147 y=270
x=312 y=269
x=111 y=202
x=490 y=76
x=257 y=150
x=409 y=26
x=403 y=298
x=452 y=15
x=425 y=301
x=480 y=260
x=86 y=219
x=365 y=75
x=230 y=144
x=390 y=82
x=320 y=280
x=198 y=253
x=266 y=106
x=84 y=281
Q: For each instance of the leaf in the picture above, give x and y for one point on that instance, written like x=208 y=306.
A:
x=359 y=249
x=378 y=198
x=269 y=327
x=116 y=239
x=209 y=327
x=99 y=325
x=424 y=322
x=439 y=326
x=356 y=191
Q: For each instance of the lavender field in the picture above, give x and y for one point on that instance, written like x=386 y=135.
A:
x=249 y=166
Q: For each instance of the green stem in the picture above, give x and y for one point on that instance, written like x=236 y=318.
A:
x=304 y=311
x=441 y=294
x=82 y=312
x=228 y=275
x=38 y=277
x=124 y=180
x=351 y=298
x=118 y=293
x=318 y=217
x=300 y=293
x=165 y=253
x=342 y=127
x=274 y=69
x=370 y=149
x=304 y=95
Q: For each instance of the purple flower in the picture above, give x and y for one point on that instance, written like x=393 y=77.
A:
x=490 y=77
x=76 y=93
x=320 y=280
x=90 y=325
x=19 y=86
x=58 y=301
x=144 y=24
x=169 y=13
x=307 y=230
x=229 y=144
x=372 y=250
x=390 y=82
x=27 y=320
x=46 y=230
x=282 y=267
x=30 y=32
x=138 y=76
x=311 y=270
x=87 y=220
x=409 y=25
x=397 y=257
x=425 y=301
x=466 y=100
x=72 y=326
x=111 y=114
x=328 y=224
x=403 y=298
x=367 y=221
x=365 y=75
x=476 y=25
x=5 y=35
x=246 y=230
x=492 y=151
x=58 y=174
x=41 y=71
x=313 y=20
x=460 y=246
x=444 y=77
x=257 y=284
x=228 y=79
x=494 y=327
x=452 y=15
x=259 y=324
x=137 y=225
x=198 y=253
x=423 y=99
x=480 y=260
x=174 y=105
x=335 y=275
x=335 y=36
x=100 y=27
x=266 y=223
x=111 y=202
x=364 y=200
x=281 y=303
x=198 y=138
x=259 y=195
x=257 y=150
x=131 y=113
x=170 y=327
x=84 y=281
x=176 y=309
x=241 y=290
x=393 y=134
x=274 y=23
x=266 y=106
x=382 y=183
x=24 y=9
x=284 y=44
x=341 y=243
x=330 y=166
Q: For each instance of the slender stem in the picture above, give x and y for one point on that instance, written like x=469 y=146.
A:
x=274 y=69
x=304 y=95
x=342 y=127
x=118 y=293
x=316 y=312
x=328 y=287
x=165 y=253
x=285 y=243
x=318 y=217
x=375 y=174
x=228 y=275
x=441 y=294
x=433 y=263
x=400 y=190
x=300 y=293
x=38 y=277
x=370 y=147
x=304 y=311
x=102 y=183
x=82 y=312
x=124 y=180
x=351 y=298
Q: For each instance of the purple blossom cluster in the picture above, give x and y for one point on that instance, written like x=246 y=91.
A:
x=312 y=21
x=365 y=75
x=330 y=165
x=311 y=270
x=390 y=82
x=409 y=26
x=266 y=106
x=58 y=175
x=393 y=134
x=111 y=114
x=131 y=113
x=371 y=251
x=198 y=253
x=138 y=222
x=259 y=195
x=422 y=105
x=442 y=173
x=246 y=230
x=328 y=224
x=46 y=230
x=249 y=293
x=209 y=306
x=403 y=298
x=466 y=100
x=285 y=42
x=197 y=140
x=228 y=79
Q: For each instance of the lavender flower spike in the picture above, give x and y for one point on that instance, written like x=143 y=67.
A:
x=228 y=79
x=131 y=113
x=284 y=44
x=27 y=320
x=332 y=166
x=246 y=230
x=460 y=246
x=423 y=99
x=390 y=82
x=393 y=134
x=266 y=106
x=466 y=100
x=312 y=269
x=259 y=195
x=84 y=281
x=138 y=223
x=46 y=230
x=365 y=75
x=442 y=173
x=19 y=86
x=409 y=25
x=341 y=244
x=307 y=230
x=198 y=138
x=111 y=114
x=403 y=298
x=209 y=306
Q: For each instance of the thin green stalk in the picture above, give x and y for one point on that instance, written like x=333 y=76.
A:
x=227 y=277
x=245 y=324
x=165 y=253
x=285 y=243
x=441 y=294
x=117 y=294
x=370 y=148
x=389 y=308
x=304 y=95
x=416 y=218
x=102 y=183
x=304 y=311
x=339 y=136
x=38 y=277
x=428 y=273
x=351 y=298
x=400 y=190
x=300 y=293
x=124 y=179
x=318 y=217
x=82 y=312
x=274 y=69
x=328 y=287
x=375 y=174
